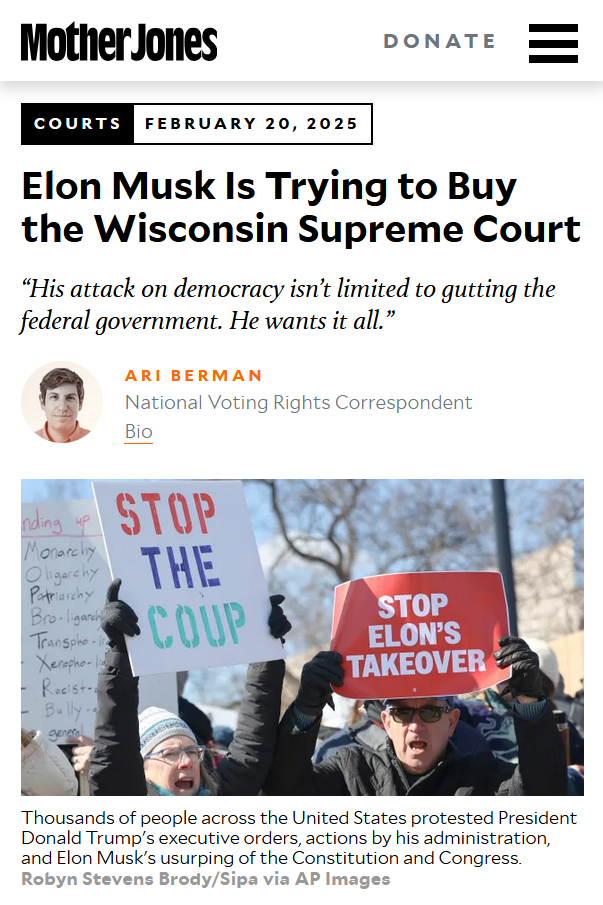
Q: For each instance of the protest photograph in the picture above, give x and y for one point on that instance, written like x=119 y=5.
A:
x=273 y=637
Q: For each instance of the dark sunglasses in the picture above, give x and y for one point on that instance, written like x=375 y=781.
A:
x=430 y=713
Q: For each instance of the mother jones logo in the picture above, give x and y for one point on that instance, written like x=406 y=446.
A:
x=80 y=43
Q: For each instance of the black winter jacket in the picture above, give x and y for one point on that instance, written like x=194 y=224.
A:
x=116 y=765
x=353 y=770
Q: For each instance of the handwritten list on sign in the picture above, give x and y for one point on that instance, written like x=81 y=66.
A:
x=64 y=578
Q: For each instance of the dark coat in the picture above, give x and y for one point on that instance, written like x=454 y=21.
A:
x=116 y=766
x=354 y=770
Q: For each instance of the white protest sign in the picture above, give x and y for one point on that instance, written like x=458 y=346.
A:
x=63 y=585
x=64 y=580
x=190 y=568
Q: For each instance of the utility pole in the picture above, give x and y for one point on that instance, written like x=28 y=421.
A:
x=503 y=547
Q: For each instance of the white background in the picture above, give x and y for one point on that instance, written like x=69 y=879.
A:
x=531 y=367
x=322 y=41
x=525 y=365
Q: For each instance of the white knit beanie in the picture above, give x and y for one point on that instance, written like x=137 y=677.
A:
x=547 y=657
x=156 y=725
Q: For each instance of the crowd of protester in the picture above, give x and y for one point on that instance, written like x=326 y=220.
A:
x=522 y=737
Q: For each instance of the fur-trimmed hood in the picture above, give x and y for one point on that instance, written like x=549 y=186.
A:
x=45 y=770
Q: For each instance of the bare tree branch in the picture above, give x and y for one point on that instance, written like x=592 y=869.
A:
x=290 y=542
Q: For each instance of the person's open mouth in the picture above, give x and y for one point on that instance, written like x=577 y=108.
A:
x=417 y=746
x=184 y=785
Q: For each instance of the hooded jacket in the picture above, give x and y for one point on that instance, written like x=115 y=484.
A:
x=45 y=770
x=354 y=770
x=116 y=765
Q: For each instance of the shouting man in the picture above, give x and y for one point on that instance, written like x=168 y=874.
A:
x=419 y=758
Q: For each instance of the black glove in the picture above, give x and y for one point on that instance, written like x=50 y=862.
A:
x=525 y=677
x=118 y=619
x=278 y=623
x=317 y=677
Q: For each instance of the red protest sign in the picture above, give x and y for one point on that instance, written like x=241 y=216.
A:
x=419 y=634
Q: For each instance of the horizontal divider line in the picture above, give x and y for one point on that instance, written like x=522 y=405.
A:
x=553 y=45
x=553 y=28
x=553 y=58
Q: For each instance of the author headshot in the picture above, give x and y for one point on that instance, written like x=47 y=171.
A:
x=61 y=400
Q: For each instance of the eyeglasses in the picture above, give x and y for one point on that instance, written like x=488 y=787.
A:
x=430 y=713
x=172 y=755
